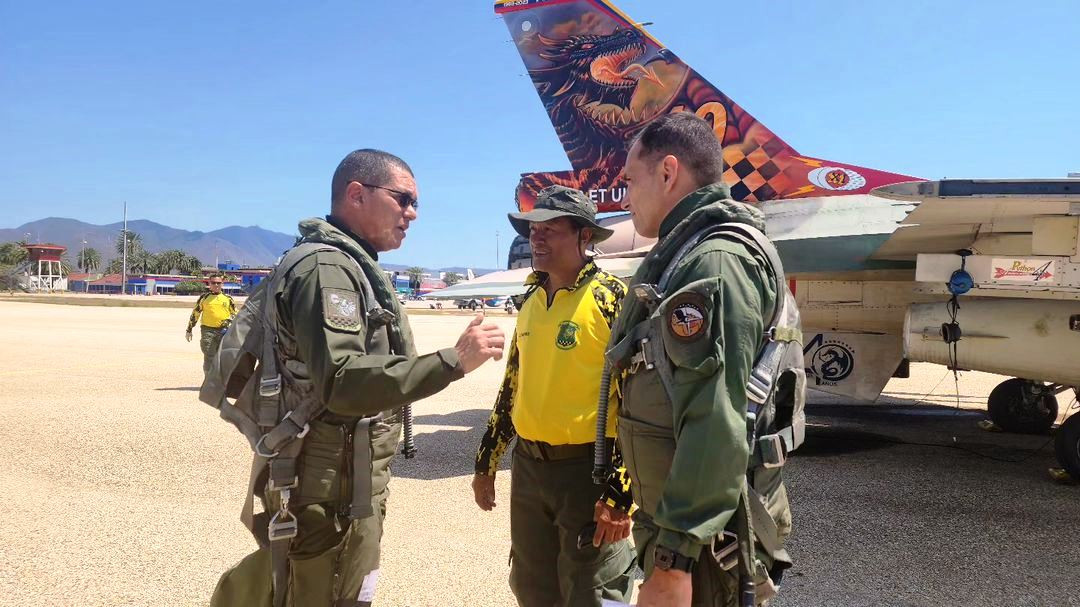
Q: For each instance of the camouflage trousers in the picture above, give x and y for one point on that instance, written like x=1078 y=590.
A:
x=209 y=340
x=550 y=502
x=324 y=571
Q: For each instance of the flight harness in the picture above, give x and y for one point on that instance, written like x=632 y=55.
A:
x=775 y=391
x=246 y=369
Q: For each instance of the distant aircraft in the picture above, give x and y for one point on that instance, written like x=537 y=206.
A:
x=868 y=252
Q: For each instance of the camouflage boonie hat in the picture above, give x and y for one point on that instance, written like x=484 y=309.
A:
x=561 y=201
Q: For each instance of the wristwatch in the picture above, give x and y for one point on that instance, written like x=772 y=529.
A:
x=666 y=559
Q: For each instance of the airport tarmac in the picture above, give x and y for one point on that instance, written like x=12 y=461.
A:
x=124 y=489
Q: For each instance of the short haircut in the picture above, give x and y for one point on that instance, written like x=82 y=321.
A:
x=688 y=138
x=372 y=167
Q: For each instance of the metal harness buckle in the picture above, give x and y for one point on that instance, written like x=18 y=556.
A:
x=272 y=486
x=283 y=526
x=640 y=358
x=772 y=453
x=260 y=448
x=725 y=550
x=303 y=431
x=270 y=386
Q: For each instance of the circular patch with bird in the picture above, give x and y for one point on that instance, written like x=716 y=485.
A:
x=686 y=317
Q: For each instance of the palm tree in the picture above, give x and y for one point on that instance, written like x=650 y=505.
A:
x=89 y=260
x=416 y=276
x=12 y=254
x=134 y=243
x=170 y=260
x=451 y=278
x=65 y=263
x=141 y=262
x=188 y=264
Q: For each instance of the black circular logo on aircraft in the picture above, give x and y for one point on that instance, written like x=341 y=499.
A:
x=833 y=362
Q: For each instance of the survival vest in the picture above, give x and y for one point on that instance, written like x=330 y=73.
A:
x=775 y=420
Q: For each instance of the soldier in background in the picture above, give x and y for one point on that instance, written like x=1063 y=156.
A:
x=213 y=312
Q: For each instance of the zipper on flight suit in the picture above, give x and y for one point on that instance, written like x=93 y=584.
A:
x=345 y=486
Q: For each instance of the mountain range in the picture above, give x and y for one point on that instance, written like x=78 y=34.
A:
x=249 y=246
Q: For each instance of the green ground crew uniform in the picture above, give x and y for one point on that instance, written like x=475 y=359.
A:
x=364 y=370
x=548 y=400
x=215 y=310
x=687 y=455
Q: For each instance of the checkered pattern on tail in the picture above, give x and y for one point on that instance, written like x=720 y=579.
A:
x=752 y=173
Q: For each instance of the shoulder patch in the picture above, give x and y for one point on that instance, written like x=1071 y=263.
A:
x=686 y=316
x=341 y=309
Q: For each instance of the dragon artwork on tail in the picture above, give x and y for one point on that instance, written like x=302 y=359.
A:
x=588 y=93
x=601 y=78
x=599 y=90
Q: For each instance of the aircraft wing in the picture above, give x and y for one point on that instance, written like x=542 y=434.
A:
x=1008 y=218
x=512 y=282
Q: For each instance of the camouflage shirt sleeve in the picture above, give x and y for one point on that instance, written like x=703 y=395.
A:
x=609 y=292
x=500 y=428
x=196 y=312
x=324 y=304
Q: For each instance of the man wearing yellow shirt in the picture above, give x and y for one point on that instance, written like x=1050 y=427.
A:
x=217 y=311
x=548 y=400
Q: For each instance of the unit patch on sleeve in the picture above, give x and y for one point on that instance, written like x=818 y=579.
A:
x=686 y=316
x=341 y=309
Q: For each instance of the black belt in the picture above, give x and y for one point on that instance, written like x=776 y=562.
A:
x=543 y=452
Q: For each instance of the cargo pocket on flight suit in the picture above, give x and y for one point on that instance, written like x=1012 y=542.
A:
x=320 y=463
x=646 y=437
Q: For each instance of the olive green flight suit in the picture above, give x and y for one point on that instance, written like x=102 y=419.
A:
x=687 y=456
x=333 y=352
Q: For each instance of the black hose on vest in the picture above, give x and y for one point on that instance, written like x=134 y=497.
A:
x=409 y=448
x=601 y=461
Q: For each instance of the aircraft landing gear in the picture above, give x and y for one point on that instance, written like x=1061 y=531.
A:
x=1067 y=445
x=1024 y=406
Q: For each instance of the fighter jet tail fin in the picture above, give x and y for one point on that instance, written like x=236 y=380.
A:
x=602 y=77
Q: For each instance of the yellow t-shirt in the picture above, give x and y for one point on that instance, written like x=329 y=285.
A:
x=215 y=309
x=561 y=358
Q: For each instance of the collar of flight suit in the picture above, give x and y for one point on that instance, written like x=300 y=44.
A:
x=714 y=193
x=340 y=225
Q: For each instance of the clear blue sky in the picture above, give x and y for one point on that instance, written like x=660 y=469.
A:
x=206 y=114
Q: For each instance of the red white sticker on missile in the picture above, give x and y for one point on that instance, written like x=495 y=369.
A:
x=1023 y=270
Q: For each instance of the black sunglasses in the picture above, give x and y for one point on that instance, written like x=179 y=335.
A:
x=404 y=199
